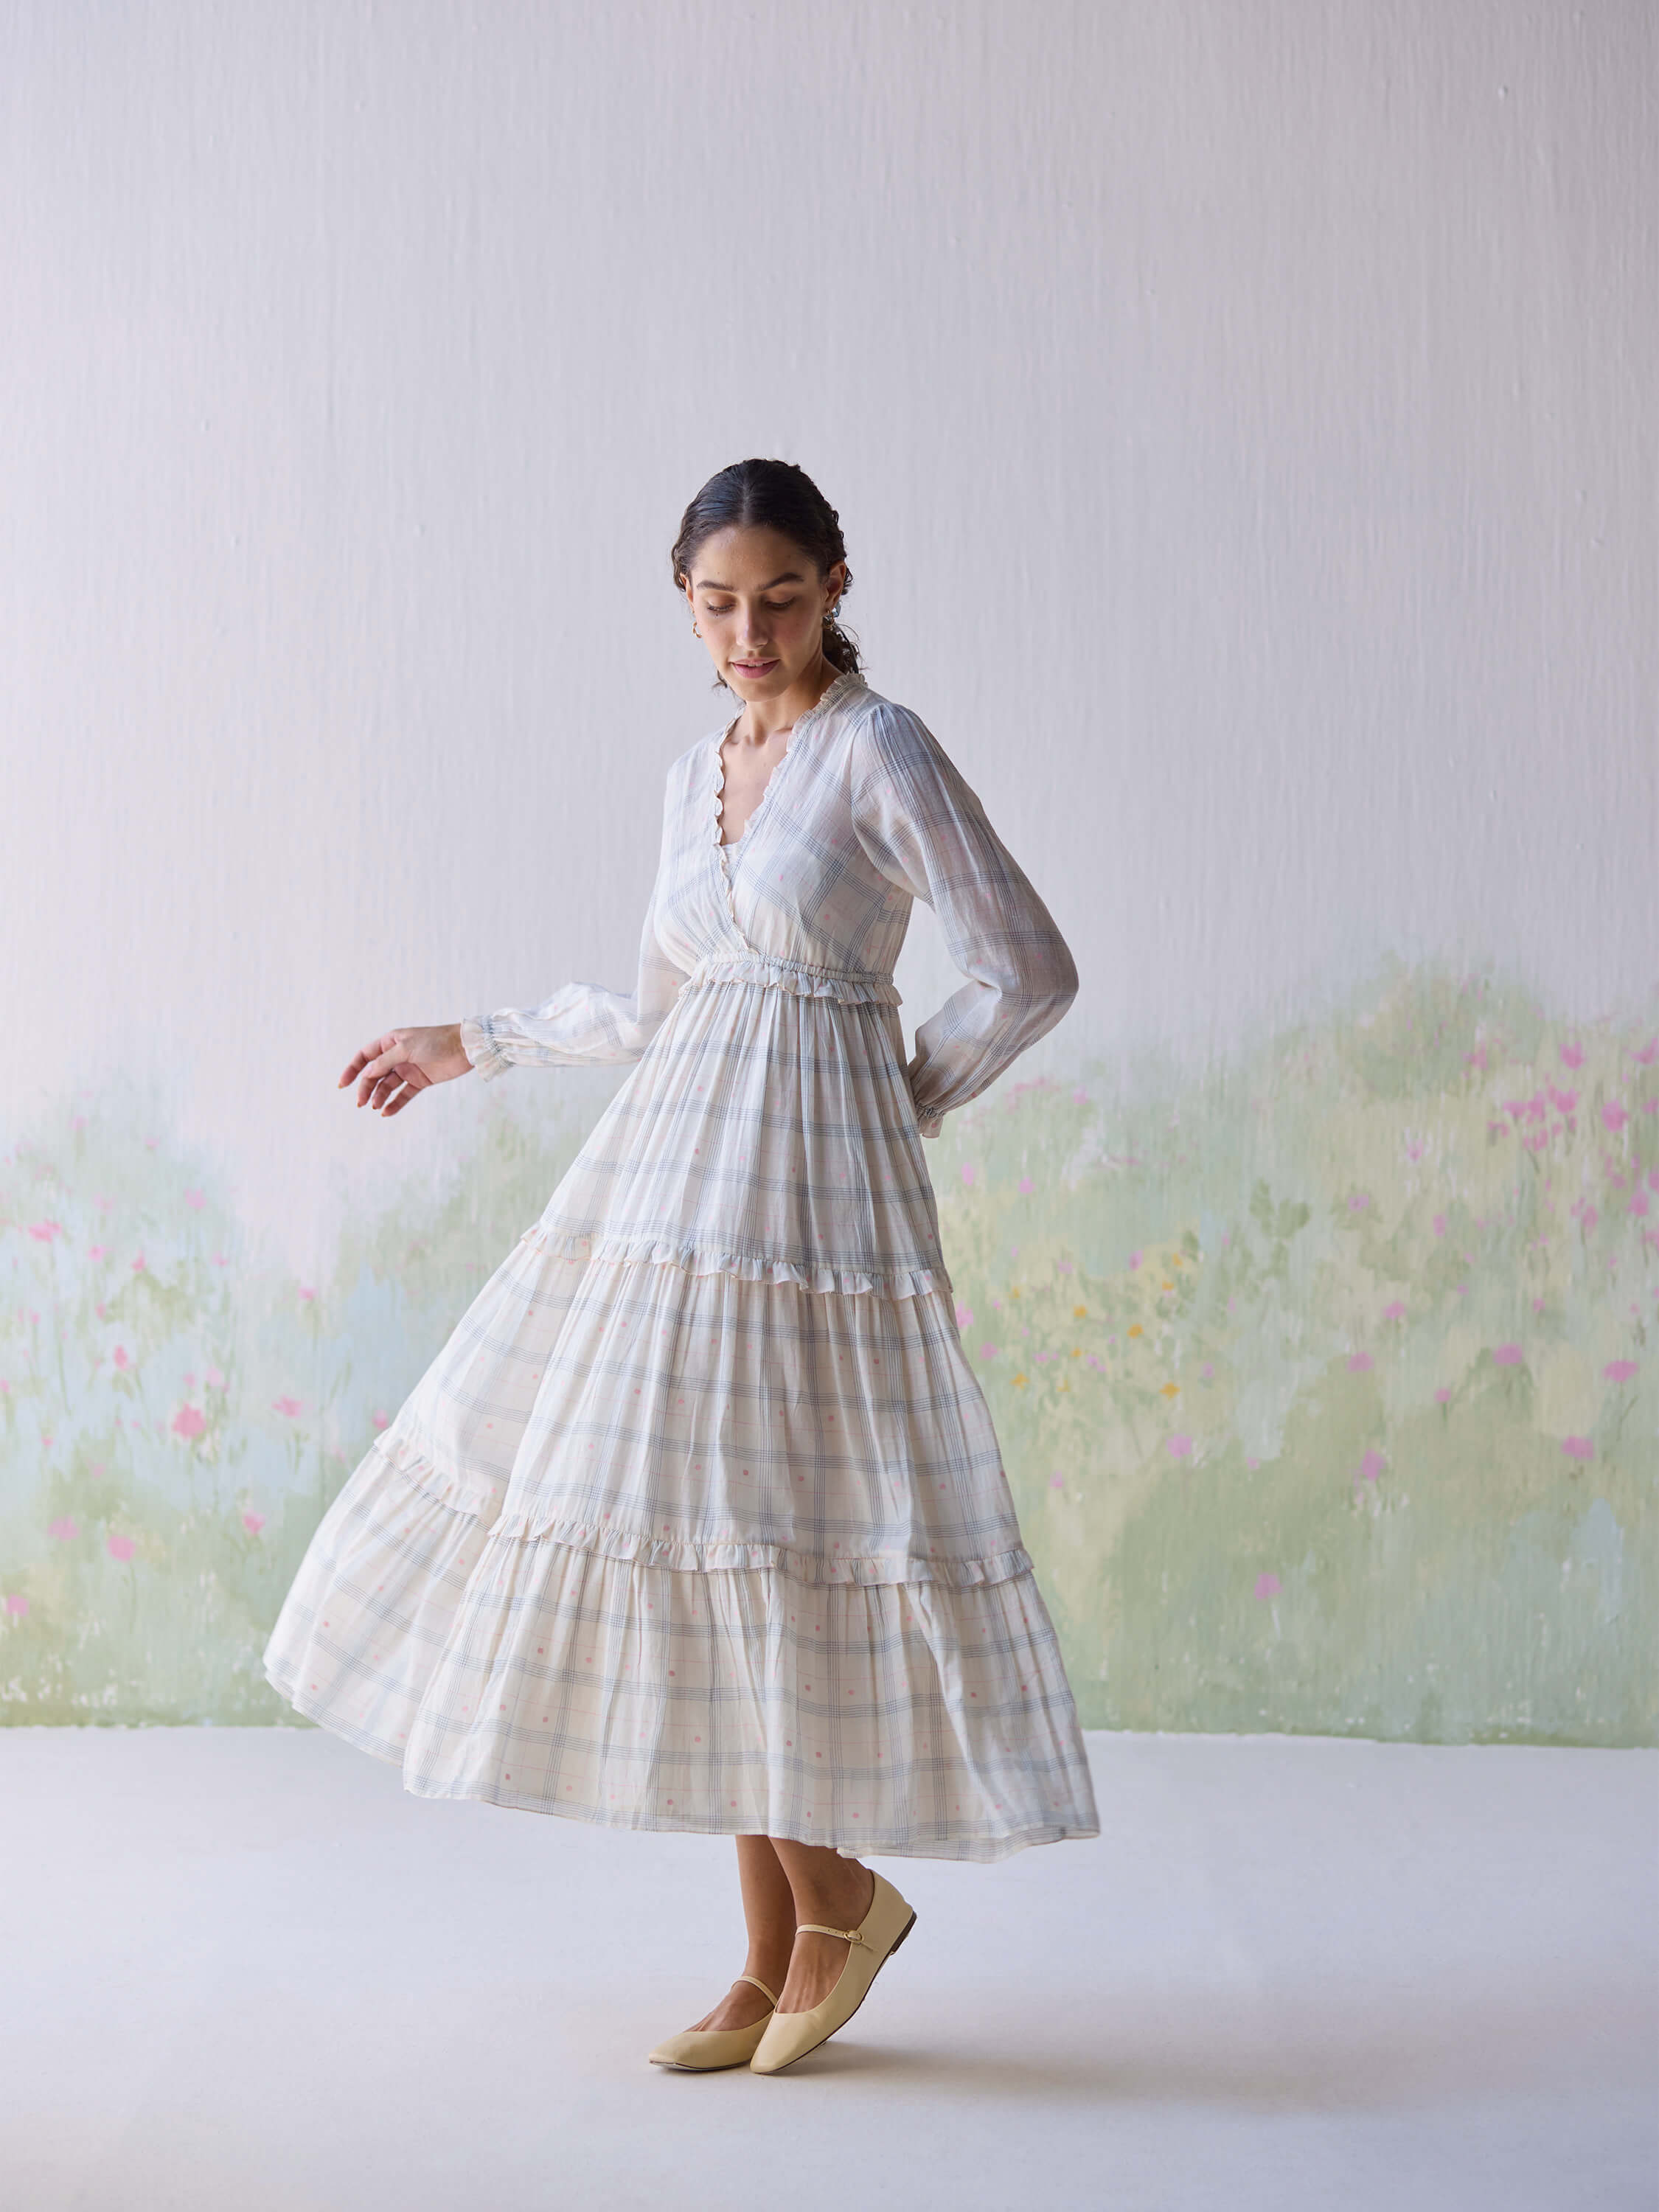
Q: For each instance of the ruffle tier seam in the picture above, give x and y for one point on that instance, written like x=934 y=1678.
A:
x=828 y=1277
x=686 y=1555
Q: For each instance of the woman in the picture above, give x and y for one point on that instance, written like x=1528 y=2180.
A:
x=698 y=1519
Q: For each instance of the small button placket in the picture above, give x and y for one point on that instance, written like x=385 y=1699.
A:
x=723 y=851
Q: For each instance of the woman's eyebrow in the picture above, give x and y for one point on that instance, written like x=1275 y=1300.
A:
x=789 y=576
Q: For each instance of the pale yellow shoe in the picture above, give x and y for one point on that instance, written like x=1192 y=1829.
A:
x=706 y=2050
x=790 y=2035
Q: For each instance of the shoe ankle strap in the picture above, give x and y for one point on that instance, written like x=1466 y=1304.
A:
x=846 y=1935
x=759 y=1985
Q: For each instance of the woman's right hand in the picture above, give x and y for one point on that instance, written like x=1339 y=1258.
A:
x=398 y=1067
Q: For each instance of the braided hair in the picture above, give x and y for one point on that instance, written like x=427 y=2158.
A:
x=771 y=495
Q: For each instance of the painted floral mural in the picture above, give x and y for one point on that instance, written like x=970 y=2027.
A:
x=1326 y=1384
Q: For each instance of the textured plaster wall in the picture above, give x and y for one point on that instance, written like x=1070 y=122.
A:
x=1236 y=416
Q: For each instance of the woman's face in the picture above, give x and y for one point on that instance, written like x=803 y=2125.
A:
x=759 y=603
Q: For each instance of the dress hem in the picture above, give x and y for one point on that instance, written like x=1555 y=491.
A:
x=986 y=1850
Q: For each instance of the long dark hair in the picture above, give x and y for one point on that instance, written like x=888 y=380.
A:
x=771 y=495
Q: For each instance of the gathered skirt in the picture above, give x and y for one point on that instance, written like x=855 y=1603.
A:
x=655 y=1544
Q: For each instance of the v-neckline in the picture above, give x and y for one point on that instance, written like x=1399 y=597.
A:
x=830 y=691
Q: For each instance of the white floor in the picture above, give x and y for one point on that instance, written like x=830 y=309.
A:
x=241 y=1971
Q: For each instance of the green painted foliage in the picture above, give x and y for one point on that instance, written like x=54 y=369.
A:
x=1326 y=1384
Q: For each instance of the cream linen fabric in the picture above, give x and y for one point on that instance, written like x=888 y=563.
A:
x=698 y=1520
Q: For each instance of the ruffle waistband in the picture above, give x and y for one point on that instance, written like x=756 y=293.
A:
x=850 y=986
x=699 y=1259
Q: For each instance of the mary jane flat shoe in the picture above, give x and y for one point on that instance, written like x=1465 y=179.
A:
x=790 y=2035
x=706 y=2050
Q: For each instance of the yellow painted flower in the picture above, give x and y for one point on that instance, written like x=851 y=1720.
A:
x=1172 y=1390
x=1175 y=1259
x=1019 y=1381
x=1077 y=1351
x=1079 y=1313
x=1136 y=1330
x=1169 y=1286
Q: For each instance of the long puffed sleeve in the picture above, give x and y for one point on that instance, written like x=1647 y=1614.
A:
x=583 y=1022
x=926 y=831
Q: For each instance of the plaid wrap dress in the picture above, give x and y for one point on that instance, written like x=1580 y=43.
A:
x=698 y=1519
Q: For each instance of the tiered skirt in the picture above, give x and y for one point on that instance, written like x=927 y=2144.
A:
x=664 y=1539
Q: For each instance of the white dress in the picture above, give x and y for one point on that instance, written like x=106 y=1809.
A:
x=698 y=1519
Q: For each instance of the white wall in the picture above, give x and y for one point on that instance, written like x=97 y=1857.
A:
x=1240 y=415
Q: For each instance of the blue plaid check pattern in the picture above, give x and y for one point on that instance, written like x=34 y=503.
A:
x=699 y=1519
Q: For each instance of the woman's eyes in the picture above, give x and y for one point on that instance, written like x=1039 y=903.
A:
x=772 y=606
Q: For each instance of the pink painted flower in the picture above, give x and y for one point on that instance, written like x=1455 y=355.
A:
x=1613 y=1115
x=121 y=1358
x=1442 y=1396
x=1572 y=1055
x=967 y=1171
x=1267 y=1586
x=1056 y=1482
x=1620 y=1370
x=1361 y=1362
x=381 y=1419
x=1372 y=1466
x=1476 y=1059
x=16 y=1602
x=964 y=1316
x=1080 y=1098
x=1507 y=1355
x=1253 y=1464
x=63 y=1529
x=189 y=1421
x=1579 y=1448
x=138 y=1265
x=1649 y=1052
x=988 y=1352
x=1396 y=1311
x=1135 y=1259
x=305 y=1293
x=213 y=1379
x=1359 y=1201
x=45 y=1231
x=194 y=1198
x=1026 y=1184
x=97 y=1251
x=288 y=1406
x=1181 y=1446
x=1439 y=1225
x=121 y=1547
x=253 y=1523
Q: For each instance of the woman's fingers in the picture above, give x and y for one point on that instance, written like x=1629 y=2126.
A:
x=397 y=1067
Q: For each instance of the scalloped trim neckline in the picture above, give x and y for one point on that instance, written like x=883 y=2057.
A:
x=846 y=681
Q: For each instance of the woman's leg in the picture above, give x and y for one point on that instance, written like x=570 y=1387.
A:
x=829 y=1888
x=768 y=1909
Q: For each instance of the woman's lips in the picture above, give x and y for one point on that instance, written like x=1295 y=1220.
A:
x=754 y=667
